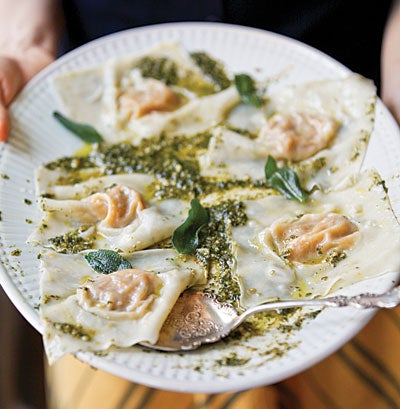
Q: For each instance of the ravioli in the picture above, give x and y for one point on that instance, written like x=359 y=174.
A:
x=334 y=120
x=72 y=325
x=125 y=104
x=175 y=129
x=83 y=214
x=296 y=262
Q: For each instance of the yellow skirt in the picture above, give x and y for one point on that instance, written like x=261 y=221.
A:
x=365 y=373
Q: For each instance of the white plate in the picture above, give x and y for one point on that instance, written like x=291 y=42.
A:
x=36 y=138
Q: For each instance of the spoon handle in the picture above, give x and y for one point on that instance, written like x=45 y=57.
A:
x=389 y=299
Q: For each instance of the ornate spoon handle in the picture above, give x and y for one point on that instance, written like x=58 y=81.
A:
x=389 y=299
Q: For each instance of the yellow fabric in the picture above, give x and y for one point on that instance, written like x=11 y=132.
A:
x=365 y=373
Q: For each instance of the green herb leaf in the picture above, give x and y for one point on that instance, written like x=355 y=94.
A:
x=107 y=261
x=185 y=238
x=85 y=132
x=247 y=90
x=285 y=180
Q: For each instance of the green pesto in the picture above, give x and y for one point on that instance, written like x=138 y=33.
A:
x=159 y=68
x=76 y=331
x=334 y=257
x=49 y=297
x=243 y=132
x=173 y=160
x=48 y=196
x=311 y=166
x=197 y=84
x=232 y=360
x=71 y=164
x=166 y=70
x=72 y=242
x=259 y=324
x=212 y=69
x=214 y=250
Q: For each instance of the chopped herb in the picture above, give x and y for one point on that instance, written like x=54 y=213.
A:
x=107 y=261
x=212 y=69
x=85 y=132
x=48 y=196
x=76 y=331
x=72 y=242
x=334 y=257
x=49 y=297
x=16 y=252
x=162 y=69
x=27 y=201
x=71 y=164
x=4 y=176
x=232 y=360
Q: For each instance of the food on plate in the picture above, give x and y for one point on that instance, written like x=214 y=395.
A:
x=203 y=178
x=321 y=128
x=297 y=136
x=83 y=309
x=118 y=206
x=310 y=237
x=104 y=212
x=164 y=89
x=131 y=291
x=286 y=250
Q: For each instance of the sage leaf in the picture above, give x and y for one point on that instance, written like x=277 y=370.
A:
x=185 y=238
x=107 y=261
x=285 y=180
x=247 y=90
x=85 y=132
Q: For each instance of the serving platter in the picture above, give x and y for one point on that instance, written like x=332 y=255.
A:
x=36 y=138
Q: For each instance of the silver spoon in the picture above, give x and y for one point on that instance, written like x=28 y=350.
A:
x=198 y=318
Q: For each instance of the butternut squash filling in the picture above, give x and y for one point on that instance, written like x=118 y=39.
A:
x=152 y=95
x=116 y=207
x=297 y=136
x=129 y=290
x=312 y=237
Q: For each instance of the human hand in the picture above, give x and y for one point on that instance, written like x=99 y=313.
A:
x=390 y=91
x=29 y=32
x=10 y=83
x=14 y=74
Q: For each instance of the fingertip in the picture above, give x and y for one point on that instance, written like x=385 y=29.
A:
x=4 y=124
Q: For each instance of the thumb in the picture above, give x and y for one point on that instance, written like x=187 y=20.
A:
x=11 y=81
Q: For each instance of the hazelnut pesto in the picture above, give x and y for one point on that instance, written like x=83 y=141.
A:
x=167 y=71
x=76 y=331
x=215 y=249
x=172 y=160
x=72 y=242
